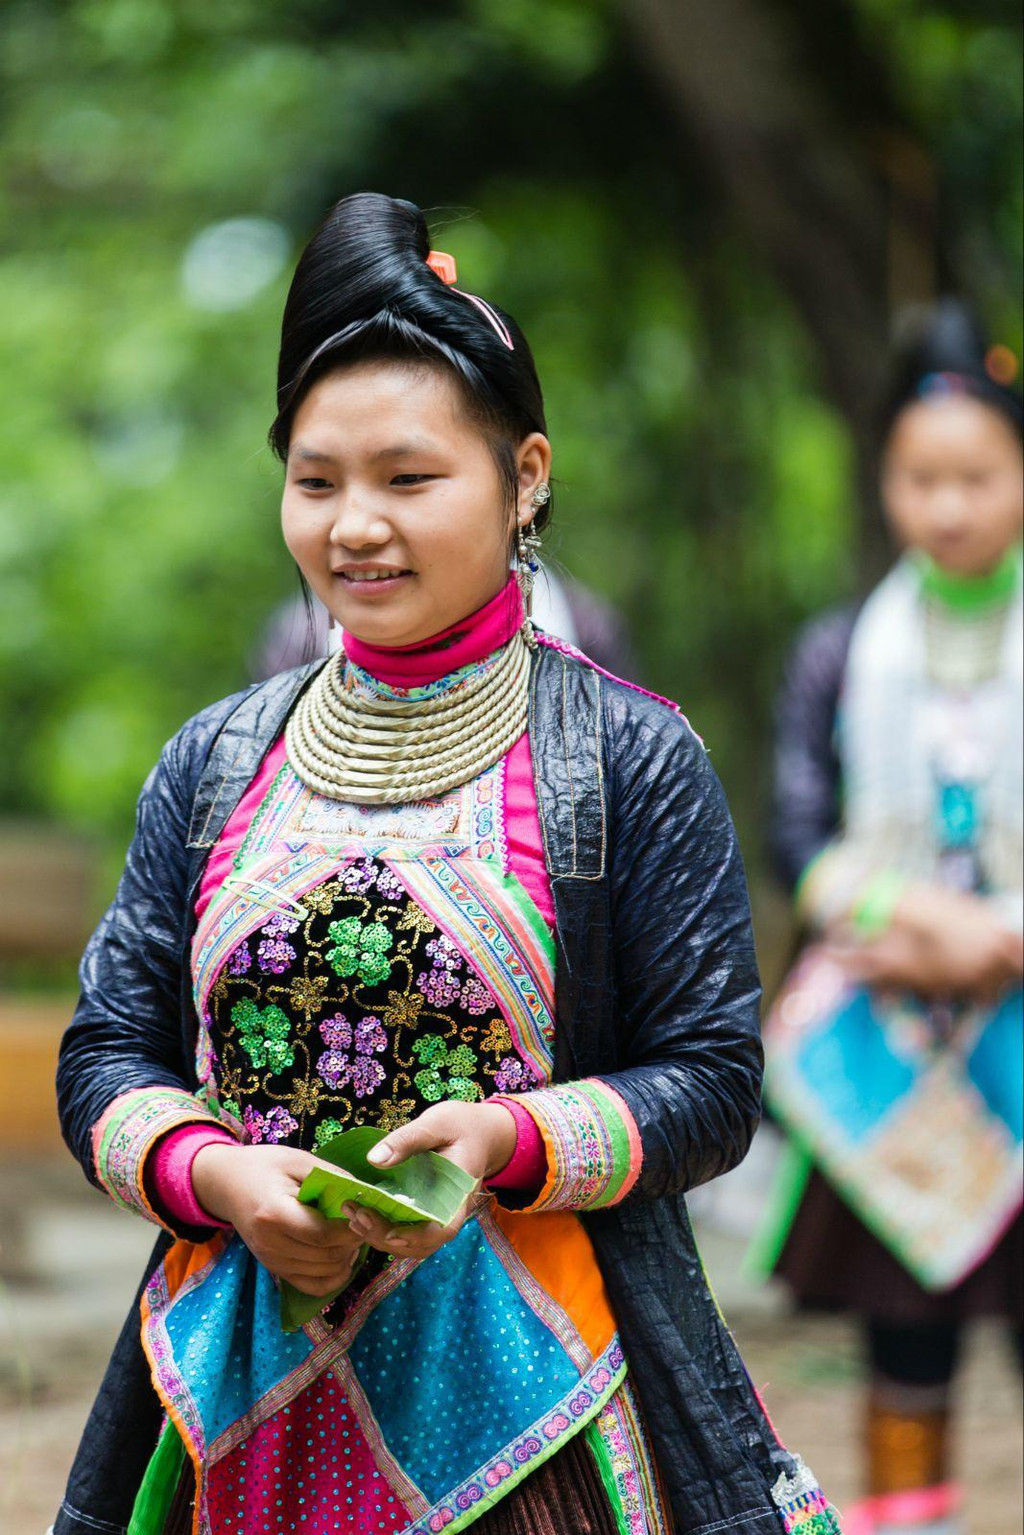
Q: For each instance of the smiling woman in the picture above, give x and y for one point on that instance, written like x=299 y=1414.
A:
x=405 y=519
x=459 y=885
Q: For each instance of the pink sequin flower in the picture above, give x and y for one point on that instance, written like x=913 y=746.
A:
x=440 y=984
x=358 y=877
x=270 y=1128
x=274 y=955
x=240 y=961
x=475 y=998
x=348 y=1059
x=514 y=1076
x=389 y=885
x=279 y=925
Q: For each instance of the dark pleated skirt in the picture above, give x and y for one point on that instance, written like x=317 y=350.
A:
x=833 y=1262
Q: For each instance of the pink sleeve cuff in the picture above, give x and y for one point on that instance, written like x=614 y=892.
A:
x=526 y=1169
x=592 y=1147
x=170 y=1174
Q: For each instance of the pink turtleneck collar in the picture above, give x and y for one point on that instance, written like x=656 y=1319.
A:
x=470 y=639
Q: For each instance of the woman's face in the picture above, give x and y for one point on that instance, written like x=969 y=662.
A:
x=393 y=507
x=952 y=483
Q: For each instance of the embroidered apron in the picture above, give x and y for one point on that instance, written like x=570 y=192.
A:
x=358 y=964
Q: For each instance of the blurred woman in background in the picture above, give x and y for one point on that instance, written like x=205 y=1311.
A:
x=895 y=1048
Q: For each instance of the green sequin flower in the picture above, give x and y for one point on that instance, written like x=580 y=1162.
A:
x=360 y=949
x=264 y=1035
x=326 y=1131
x=447 y=1073
x=431 y=1050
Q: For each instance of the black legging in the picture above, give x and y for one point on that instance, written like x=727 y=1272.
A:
x=919 y=1353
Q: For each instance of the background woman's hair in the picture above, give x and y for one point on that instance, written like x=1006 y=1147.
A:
x=944 y=351
x=363 y=291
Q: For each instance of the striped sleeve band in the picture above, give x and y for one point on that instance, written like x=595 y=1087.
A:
x=127 y=1131
x=592 y=1144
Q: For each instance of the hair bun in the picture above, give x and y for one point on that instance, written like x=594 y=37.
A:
x=942 y=341
x=363 y=288
x=946 y=338
x=371 y=221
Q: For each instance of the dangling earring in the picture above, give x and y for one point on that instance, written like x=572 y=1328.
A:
x=527 y=545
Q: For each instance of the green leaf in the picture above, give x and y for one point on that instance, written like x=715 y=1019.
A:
x=425 y=1187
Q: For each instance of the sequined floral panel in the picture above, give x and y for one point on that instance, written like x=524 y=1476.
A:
x=361 y=1012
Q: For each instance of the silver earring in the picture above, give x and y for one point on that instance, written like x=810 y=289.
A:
x=541 y=496
x=527 y=545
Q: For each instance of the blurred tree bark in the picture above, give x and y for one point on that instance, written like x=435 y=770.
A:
x=820 y=171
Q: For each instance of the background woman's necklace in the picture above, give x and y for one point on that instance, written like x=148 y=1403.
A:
x=388 y=751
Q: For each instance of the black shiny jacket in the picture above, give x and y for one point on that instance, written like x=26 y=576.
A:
x=656 y=990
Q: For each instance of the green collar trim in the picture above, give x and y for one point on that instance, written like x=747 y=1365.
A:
x=969 y=594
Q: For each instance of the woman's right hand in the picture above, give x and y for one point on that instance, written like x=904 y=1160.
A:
x=254 y=1189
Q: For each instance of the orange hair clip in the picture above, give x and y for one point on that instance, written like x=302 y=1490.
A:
x=443 y=265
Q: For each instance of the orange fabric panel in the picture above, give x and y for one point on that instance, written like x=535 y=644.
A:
x=185 y=1258
x=555 y=1248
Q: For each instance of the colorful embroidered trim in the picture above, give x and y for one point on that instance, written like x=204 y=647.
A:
x=802 y=1505
x=510 y=949
x=364 y=684
x=184 y=1268
x=495 y=1480
x=262 y=810
x=593 y=1145
x=618 y=1444
x=123 y=1136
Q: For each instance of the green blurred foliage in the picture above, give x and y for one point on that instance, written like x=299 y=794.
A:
x=703 y=479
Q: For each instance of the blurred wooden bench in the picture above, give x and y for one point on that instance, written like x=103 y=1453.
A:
x=47 y=909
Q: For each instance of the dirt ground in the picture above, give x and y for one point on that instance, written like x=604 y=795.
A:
x=69 y=1265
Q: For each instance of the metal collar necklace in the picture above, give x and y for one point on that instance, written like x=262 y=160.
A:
x=374 y=750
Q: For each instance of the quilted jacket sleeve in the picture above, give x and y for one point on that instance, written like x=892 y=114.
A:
x=122 y=1077
x=685 y=1100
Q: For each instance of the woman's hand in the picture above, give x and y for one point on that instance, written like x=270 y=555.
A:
x=254 y=1188
x=941 y=943
x=478 y=1137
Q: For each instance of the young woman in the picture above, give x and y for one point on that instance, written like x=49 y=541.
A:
x=459 y=885
x=895 y=1051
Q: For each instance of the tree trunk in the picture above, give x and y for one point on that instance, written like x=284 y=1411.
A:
x=828 y=185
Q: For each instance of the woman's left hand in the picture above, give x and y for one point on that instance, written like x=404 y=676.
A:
x=478 y=1137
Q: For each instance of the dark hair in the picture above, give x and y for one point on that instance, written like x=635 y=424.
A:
x=944 y=352
x=363 y=290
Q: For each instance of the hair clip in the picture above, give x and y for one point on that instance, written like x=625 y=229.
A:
x=443 y=266
x=945 y=383
x=265 y=895
x=1001 y=364
x=489 y=315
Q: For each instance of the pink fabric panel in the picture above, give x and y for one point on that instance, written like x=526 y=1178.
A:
x=169 y=1174
x=231 y=838
x=522 y=829
x=527 y=1168
x=309 y=1468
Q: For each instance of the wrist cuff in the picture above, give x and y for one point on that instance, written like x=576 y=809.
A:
x=526 y=1169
